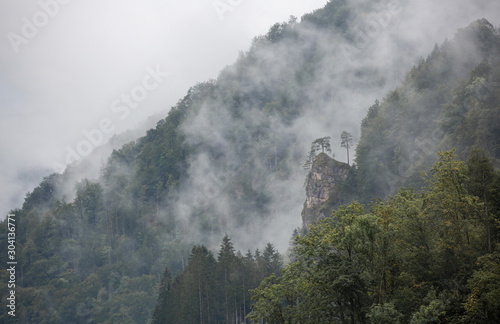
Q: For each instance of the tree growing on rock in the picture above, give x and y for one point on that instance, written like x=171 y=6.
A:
x=322 y=144
x=346 y=142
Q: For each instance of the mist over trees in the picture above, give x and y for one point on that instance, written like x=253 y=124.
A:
x=138 y=242
x=440 y=98
x=411 y=258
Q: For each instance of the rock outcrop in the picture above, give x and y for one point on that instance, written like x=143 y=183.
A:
x=322 y=188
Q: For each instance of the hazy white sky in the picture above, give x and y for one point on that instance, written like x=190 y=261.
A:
x=72 y=66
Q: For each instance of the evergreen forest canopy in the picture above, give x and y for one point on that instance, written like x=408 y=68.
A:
x=228 y=159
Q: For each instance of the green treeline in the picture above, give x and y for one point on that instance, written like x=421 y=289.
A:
x=432 y=257
x=227 y=159
x=213 y=290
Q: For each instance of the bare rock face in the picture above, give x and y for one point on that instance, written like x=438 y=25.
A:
x=322 y=188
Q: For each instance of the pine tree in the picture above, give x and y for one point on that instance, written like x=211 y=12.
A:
x=346 y=142
x=322 y=144
x=196 y=302
x=164 y=307
x=273 y=260
x=225 y=269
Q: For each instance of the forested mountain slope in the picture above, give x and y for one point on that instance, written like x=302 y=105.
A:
x=429 y=253
x=228 y=159
x=451 y=99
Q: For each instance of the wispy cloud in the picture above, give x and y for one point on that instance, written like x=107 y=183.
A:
x=63 y=63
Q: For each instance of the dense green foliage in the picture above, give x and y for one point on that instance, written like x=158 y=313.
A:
x=411 y=258
x=95 y=251
x=214 y=291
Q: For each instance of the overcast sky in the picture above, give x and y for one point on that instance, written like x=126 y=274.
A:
x=70 y=67
x=75 y=67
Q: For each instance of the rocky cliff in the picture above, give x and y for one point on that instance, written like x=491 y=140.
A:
x=322 y=188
